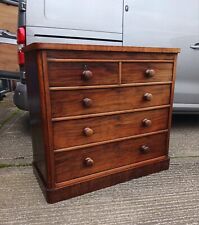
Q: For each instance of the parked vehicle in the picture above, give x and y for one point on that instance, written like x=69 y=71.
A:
x=9 y=70
x=165 y=23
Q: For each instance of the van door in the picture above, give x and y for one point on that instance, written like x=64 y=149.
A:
x=98 y=19
x=169 y=23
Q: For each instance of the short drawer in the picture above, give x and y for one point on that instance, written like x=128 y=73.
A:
x=81 y=102
x=146 y=72
x=79 y=163
x=96 y=129
x=82 y=74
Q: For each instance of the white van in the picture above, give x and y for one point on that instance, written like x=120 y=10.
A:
x=158 y=23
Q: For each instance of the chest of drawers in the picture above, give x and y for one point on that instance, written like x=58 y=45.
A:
x=99 y=115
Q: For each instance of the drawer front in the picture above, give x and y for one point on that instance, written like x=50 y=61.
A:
x=71 y=103
x=146 y=72
x=89 y=130
x=78 y=163
x=82 y=74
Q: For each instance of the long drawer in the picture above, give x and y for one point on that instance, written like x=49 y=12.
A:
x=146 y=72
x=83 y=74
x=78 y=163
x=81 y=102
x=96 y=129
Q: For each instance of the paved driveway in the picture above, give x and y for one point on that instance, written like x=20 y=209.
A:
x=169 y=197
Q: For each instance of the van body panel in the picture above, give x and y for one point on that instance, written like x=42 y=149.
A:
x=169 y=23
x=33 y=39
x=79 y=17
x=56 y=35
x=155 y=23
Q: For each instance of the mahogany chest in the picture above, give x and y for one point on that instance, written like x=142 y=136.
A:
x=100 y=115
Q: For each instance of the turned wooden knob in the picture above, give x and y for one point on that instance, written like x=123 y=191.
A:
x=87 y=102
x=146 y=122
x=150 y=73
x=88 y=162
x=144 y=149
x=88 y=131
x=87 y=75
x=148 y=96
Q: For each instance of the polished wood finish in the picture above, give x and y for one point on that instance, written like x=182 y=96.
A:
x=100 y=115
x=150 y=73
x=99 y=56
x=148 y=96
x=91 y=101
x=71 y=164
x=72 y=132
x=146 y=72
x=87 y=102
x=36 y=116
x=76 y=74
x=145 y=149
x=88 y=132
x=87 y=74
x=147 y=122
x=98 y=48
x=68 y=190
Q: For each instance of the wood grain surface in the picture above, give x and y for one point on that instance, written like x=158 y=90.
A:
x=71 y=133
x=71 y=74
x=104 y=179
x=100 y=115
x=99 y=48
x=136 y=72
x=71 y=103
x=71 y=164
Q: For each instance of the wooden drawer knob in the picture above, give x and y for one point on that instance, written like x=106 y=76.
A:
x=87 y=75
x=150 y=73
x=88 y=162
x=144 y=149
x=147 y=123
x=148 y=96
x=88 y=131
x=87 y=102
